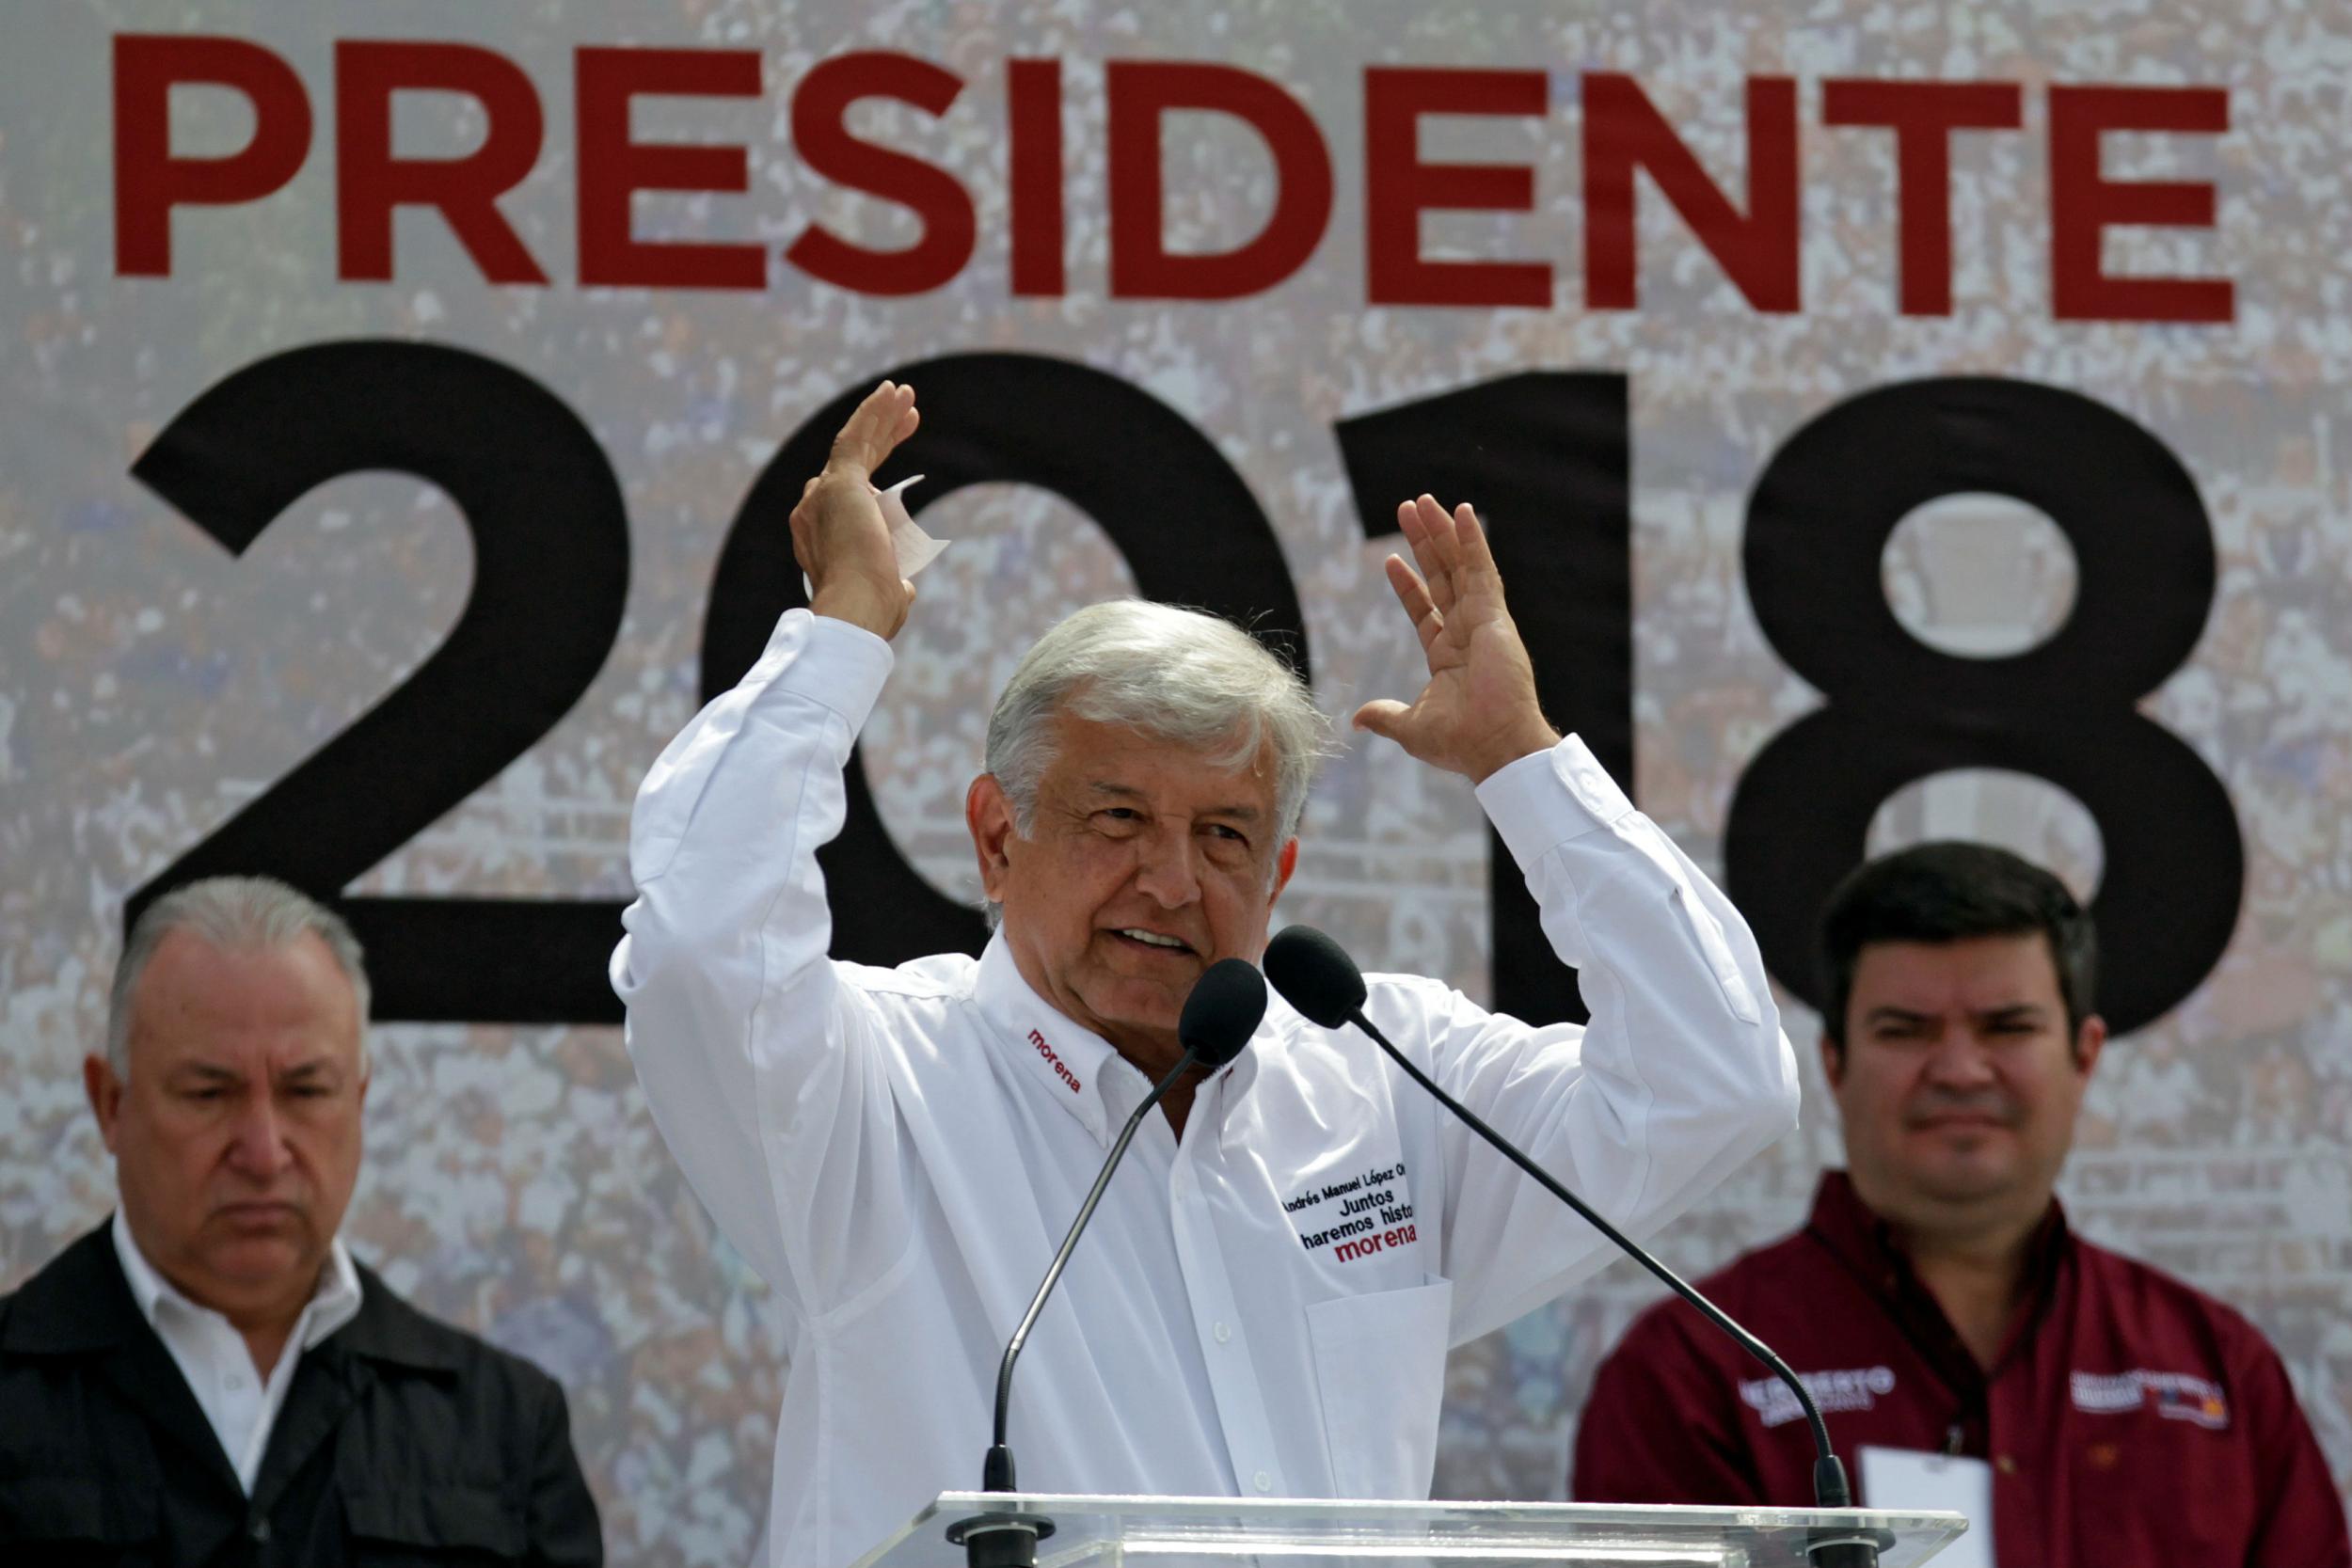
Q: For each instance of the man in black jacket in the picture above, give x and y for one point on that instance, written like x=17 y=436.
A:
x=209 y=1378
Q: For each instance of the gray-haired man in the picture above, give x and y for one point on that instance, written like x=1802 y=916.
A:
x=209 y=1377
x=1266 y=1298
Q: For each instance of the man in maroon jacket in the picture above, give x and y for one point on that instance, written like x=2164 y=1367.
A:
x=1936 y=1303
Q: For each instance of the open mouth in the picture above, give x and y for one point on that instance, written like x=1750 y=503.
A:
x=1153 y=942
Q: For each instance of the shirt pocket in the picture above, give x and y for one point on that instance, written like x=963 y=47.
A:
x=441 y=1526
x=1380 y=1368
x=2188 y=1491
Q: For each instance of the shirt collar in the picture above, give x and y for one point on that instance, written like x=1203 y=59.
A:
x=335 y=1302
x=1855 y=1234
x=1072 y=1066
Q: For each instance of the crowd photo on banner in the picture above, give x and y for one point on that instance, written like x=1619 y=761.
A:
x=803 y=784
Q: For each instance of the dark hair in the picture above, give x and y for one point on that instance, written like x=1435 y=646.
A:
x=1949 y=892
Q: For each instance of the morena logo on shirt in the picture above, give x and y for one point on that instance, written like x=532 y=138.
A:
x=2174 y=1396
x=1851 y=1388
x=1061 y=1069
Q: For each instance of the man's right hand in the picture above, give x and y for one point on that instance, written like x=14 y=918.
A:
x=838 y=532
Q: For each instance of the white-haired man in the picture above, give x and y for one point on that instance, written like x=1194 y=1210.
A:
x=209 y=1377
x=899 y=1150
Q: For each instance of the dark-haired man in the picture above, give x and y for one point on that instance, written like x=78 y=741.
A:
x=1964 y=1344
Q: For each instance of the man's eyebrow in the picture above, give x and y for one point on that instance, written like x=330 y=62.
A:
x=1239 y=811
x=1896 y=1015
x=209 y=1073
x=317 y=1067
x=2015 y=1012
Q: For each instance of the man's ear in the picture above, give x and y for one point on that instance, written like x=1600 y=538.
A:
x=2089 y=1040
x=105 y=1094
x=1284 y=863
x=1833 y=1061
x=989 y=814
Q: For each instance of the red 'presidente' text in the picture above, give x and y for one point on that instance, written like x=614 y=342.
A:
x=1750 y=227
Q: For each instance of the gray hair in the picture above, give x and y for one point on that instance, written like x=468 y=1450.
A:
x=236 y=914
x=1175 y=674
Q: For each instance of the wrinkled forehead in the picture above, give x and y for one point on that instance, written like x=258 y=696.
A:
x=255 y=1007
x=1100 y=757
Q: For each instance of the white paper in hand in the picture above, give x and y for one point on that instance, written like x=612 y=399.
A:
x=913 y=549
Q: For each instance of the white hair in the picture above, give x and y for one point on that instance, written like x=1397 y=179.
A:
x=1175 y=674
x=235 y=914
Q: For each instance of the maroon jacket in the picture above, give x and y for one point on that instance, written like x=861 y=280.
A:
x=2131 y=1423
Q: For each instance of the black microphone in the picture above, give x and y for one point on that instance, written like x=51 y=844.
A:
x=1317 y=978
x=1219 y=1017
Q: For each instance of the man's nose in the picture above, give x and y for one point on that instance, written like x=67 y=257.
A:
x=1165 y=869
x=257 y=1144
x=1961 y=1060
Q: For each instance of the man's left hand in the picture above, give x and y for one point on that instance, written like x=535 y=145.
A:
x=1479 y=712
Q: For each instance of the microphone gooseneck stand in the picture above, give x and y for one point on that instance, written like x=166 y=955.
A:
x=1317 y=978
x=1219 y=1016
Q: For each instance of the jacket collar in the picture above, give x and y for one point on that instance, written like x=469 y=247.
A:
x=389 y=1330
x=334 y=1303
x=81 y=1305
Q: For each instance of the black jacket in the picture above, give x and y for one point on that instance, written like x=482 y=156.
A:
x=401 y=1441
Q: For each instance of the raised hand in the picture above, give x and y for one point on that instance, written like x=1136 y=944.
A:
x=1478 y=712
x=839 y=535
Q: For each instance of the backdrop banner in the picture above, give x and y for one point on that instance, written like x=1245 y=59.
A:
x=1893 y=422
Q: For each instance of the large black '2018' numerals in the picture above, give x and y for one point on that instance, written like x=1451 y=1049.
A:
x=1898 y=710
x=1189 y=528
x=550 y=538
x=1545 y=457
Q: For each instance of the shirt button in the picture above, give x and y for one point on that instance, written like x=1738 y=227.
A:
x=2007 y=1465
x=260 y=1533
x=1264 y=1482
x=234 y=1382
x=1224 y=1333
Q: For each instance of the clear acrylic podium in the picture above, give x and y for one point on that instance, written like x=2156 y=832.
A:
x=1231 y=1532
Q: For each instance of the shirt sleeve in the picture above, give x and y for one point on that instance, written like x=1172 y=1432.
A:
x=1659 y=1426
x=2302 y=1515
x=752 y=1050
x=1682 y=1073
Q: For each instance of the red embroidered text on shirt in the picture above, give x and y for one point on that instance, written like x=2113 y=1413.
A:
x=1060 y=1069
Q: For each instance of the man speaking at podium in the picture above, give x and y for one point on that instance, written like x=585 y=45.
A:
x=1264 y=1302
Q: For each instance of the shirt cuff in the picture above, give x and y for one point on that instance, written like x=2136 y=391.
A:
x=1548 y=798
x=830 y=662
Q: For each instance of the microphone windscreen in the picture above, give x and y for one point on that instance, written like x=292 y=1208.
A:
x=1222 y=1012
x=1315 y=975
